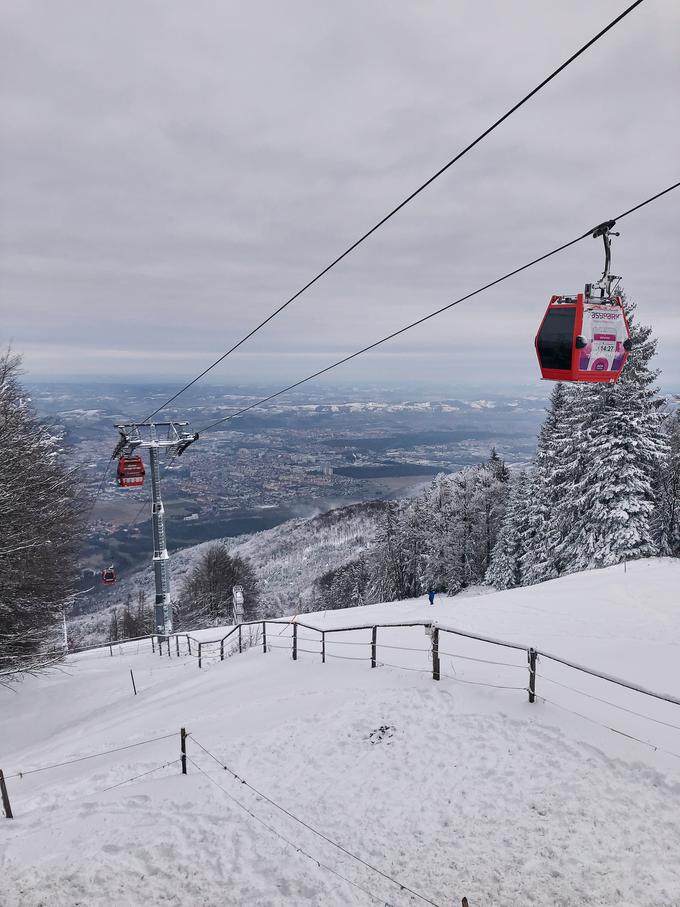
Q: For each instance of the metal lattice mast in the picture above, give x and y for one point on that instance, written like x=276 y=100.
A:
x=163 y=606
x=144 y=435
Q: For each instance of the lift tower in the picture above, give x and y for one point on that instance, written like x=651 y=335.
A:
x=174 y=439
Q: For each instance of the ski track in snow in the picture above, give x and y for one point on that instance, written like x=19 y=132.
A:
x=473 y=792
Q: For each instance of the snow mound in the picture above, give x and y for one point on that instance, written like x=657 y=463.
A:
x=450 y=788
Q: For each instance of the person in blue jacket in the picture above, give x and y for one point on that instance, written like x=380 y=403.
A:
x=430 y=595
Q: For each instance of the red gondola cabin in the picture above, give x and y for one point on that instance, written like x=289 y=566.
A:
x=131 y=472
x=583 y=339
x=109 y=576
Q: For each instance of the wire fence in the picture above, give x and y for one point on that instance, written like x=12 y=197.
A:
x=183 y=758
x=371 y=643
x=467 y=662
x=366 y=644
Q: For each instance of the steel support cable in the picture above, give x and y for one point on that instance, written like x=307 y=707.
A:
x=282 y=837
x=315 y=831
x=425 y=318
x=402 y=204
x=100 y=488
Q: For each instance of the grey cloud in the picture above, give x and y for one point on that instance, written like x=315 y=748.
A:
x=174 y=172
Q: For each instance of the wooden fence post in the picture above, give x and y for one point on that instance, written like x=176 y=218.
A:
x=160 y=646
x=532 y=674
x=153 y=645
x=294 y=642
x=221 y=650
x=177 y=645
x=169 y=656
x=240 y=640
x=5 y=797
x=111 y=650
x=374 y=646
x=435 y=653
x=183 y=748
x=200 y=658
x=323 y=647
x=132 y=677
x=189 y=643
x=264 y=637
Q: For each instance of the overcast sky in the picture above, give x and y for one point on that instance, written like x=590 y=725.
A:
x=171 y=172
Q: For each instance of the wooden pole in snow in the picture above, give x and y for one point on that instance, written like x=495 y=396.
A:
x=374 y=646
x=435 y=653
x=183 y=748
x=5 y=797
x=532 y=675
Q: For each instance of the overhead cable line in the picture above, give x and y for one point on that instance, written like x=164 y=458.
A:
x=401 y=205
x=425 y=318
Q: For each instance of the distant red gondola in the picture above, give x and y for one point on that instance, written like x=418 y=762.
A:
x=109 y=576
x=131 y=472
x=583 y=339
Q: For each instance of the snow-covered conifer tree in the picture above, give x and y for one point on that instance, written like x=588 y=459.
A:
x=549 y=487
x=620 y=446
x=505 y=569
x=667 y=516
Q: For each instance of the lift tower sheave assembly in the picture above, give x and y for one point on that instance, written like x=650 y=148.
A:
x=154 y=436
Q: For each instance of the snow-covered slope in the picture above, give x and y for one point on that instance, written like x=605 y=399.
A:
x=288 y=559
x=451 y=788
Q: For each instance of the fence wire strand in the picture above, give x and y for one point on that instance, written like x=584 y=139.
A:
x=117 y=749
x=622 y=708
x=386 y=664
x=142 y=775
x=608 y=727
x=486 y=661
x=479 y=683
x=282 y=837
x=349 y=657
x=315 y=831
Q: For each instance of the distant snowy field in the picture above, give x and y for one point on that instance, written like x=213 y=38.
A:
x=472 y=791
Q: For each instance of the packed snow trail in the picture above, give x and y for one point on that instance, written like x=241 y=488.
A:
x=454 y=789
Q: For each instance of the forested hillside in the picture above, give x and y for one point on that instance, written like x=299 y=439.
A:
x=603 y=487
x=286 y=562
